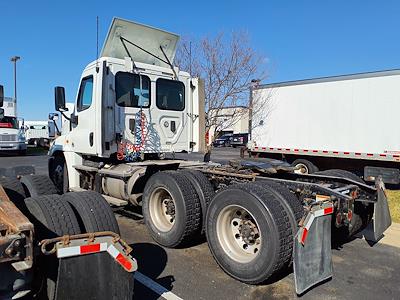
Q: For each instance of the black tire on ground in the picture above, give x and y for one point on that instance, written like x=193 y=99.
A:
x=292 y=204
x=171 y=208
x=341 y=173
x=58 y=173
x=36 y=185
x=307 y=166
x=204 y=190
x=273 y=225
x=15 y=191
x=362 y=213
x=51 y=217
x=92 y=211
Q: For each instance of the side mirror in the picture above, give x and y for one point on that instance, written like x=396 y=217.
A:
x=59 y=95
x=1 y=96
x=53 y=116
x=1 y=113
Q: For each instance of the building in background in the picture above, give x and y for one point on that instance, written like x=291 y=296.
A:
x=228 y=120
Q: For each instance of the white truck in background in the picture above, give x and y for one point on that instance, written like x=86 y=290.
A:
x=12 y=136
x=39 y=133
x=133 y=107
x=347 y=122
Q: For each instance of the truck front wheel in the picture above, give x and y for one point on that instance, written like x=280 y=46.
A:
x=58 y=173
x=249 y=232
x=171 y=208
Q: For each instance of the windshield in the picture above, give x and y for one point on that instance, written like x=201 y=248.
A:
x=9 y=122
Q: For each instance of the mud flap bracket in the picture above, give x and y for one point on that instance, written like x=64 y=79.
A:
x=381 y=219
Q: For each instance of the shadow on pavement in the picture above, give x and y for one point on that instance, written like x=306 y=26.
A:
x=151 y=260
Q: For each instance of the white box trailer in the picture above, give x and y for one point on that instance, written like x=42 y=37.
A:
x=346 y=122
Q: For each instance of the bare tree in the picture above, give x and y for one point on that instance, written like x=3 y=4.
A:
x=228 y=64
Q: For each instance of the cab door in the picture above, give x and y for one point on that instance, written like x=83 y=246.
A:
x=170 y=115
x=83 y=136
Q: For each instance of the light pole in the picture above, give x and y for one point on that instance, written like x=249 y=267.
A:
x=14 y=59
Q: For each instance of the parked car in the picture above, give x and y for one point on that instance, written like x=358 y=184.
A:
x=239 y=139
x=223 y=141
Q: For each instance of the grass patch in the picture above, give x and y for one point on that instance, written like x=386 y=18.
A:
x=394 y=204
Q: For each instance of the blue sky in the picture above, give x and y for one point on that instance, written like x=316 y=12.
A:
x=301 y=39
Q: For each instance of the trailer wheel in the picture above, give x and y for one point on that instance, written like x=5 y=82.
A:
x=92 y=211
x=14 y=190
x=36 y=185
x=51 y=217
x=249 y=232
x=171 y=208
x=204 y=190
x=305 y=166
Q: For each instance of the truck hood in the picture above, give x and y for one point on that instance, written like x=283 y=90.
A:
x=148 y=38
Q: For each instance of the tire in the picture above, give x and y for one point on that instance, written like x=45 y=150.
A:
x=204 y=190
x=341 y=173
x=58 y=173
x=92 y=211
x=269 y=216
x=292 y=204
x=15 y=191
x=51 y=217
x=22 y=152
x=174 y=223
x=36 y=185
x=307 y=166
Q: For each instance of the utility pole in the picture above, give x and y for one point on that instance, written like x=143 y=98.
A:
x=14 y=59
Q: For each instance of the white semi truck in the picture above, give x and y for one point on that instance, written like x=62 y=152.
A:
x=345 y=122
x=12 y=137
x=133 y=107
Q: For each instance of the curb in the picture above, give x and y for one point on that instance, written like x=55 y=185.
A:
x=392 y=236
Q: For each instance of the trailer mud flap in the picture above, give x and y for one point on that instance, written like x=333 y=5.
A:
x=381 y=219
x=96 y=276
x=312 y=256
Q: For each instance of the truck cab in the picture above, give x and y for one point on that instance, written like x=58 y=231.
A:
x=12 y=137
x=131 y=102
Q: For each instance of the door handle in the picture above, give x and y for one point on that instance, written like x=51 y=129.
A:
x=173 y=126
x=91 y=139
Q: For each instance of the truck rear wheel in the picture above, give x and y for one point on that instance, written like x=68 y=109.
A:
x=51 y=217
x=92 y=211
x=341 y=173
x=305 y=166
x=204 y=190
x=171 y=208
x=248 y=232
x=36 y=185
x=14 y=190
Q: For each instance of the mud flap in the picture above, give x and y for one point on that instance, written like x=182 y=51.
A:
x=381 y=219
x=312 y=256
x=96 y=276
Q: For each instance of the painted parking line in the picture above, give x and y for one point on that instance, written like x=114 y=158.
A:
x=155 y=287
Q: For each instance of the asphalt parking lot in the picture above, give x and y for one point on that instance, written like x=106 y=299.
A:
x=360 y=271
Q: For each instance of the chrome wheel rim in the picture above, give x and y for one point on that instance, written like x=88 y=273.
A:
x=162 y=209
x=238 y=233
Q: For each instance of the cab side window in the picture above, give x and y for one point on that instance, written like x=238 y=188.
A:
x=85 y=93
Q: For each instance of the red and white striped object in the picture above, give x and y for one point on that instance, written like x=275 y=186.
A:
x=327 y=209
x=105 y=244
x=386 y=156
